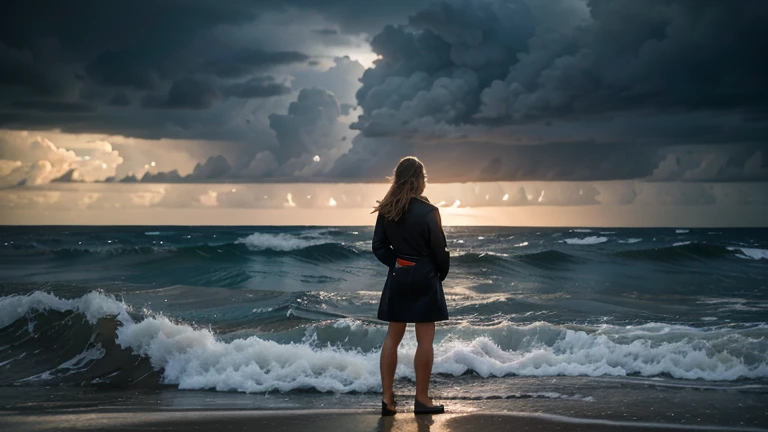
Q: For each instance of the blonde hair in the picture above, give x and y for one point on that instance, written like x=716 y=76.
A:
x=409 y=180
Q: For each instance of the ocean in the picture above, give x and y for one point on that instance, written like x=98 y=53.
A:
x=555 y=314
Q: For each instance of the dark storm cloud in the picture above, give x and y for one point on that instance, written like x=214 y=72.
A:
x=172 y=176
x=244 y=63
x=120 y=99
x=354 y=16
x=308 y=126
x=326 y=32
x=92 y=26
x=214 y=168
x=372 y=159
x=95 y=51
x=200 y=93
x=513 y=61
x=186 y=93
x=309 y=139
x=28 y=69
x=503 y=89
x=53 y=106
x=257 y=87
x=121 y=69
x=342 y=79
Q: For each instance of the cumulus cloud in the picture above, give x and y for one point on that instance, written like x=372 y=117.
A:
x=34 y=161
x=341 y=79
x=511 y=61
x=311 y=135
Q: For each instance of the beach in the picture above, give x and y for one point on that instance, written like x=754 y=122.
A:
x=602 y=405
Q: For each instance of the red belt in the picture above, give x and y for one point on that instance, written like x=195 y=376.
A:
x=404 y=263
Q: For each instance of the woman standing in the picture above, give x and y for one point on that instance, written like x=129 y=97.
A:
x=410 y=241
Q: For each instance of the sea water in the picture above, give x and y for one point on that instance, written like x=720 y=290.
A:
x=274 y=309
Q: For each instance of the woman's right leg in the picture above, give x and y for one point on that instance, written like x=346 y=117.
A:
x=422 y=361
x=388 y=362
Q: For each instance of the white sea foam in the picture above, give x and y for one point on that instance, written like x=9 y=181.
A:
x=280 y=242
x=681 y=243
x=93 y=305
x=195 y=358
x=682 y=231
x=586 y=241
x=631 y=240
x=750 y=253
x=581 y=230
x=555 y=395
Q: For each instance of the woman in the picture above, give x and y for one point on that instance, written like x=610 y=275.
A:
x=409 y=239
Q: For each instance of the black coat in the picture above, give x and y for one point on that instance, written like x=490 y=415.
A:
x=413 y=293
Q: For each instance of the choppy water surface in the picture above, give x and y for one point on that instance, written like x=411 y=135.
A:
x=260 y=309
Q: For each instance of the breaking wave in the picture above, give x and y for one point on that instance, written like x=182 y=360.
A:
x=98 y=340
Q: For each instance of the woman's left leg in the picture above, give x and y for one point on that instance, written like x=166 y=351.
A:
x=422 y=361
x=388 y=362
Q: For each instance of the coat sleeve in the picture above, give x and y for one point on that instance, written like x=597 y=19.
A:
x=438 y=244
x=381 y=246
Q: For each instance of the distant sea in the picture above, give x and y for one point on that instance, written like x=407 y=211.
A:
x=275 y=309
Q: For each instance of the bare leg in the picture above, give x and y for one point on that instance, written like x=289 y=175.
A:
x=388 y=362
x=422 y=361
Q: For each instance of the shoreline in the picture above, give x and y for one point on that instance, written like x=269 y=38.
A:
x=541 y=404
x=331 y=420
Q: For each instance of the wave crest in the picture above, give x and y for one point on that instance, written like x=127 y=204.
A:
x=195 y=358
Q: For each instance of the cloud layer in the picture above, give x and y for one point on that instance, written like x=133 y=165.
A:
x=518 y=61
x=481 y=90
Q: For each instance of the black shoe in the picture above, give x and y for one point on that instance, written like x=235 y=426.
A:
x=420 y=408
x=385 y=411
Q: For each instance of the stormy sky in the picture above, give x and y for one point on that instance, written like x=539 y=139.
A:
x=545 y=102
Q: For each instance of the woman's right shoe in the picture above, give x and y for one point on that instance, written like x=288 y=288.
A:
x=385 y=411
x=420 y=408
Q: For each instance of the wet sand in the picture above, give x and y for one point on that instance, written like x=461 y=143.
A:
x=579 y=404
x=328 y=421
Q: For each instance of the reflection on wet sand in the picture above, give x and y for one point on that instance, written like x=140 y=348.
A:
x=410 y=423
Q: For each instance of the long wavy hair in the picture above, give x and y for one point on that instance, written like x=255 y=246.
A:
x=409 y=180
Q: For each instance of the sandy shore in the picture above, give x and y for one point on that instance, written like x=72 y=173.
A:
x=327 y=421
x=531 y=404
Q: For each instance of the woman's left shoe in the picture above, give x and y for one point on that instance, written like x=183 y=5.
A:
x=385 y=411
x=420 y=408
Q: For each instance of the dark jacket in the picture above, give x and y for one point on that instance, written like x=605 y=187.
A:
x=413 y=294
